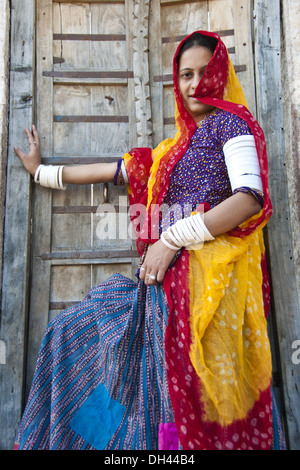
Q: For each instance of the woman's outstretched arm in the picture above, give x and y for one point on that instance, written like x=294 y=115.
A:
x=80 y=174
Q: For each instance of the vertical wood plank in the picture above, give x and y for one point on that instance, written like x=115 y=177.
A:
x=236 y=15
x=17 y=223
x=243 y=49
x=4 y=98
x=141 y=73
x=285 y=310
x=155 y=61
x=42 y=197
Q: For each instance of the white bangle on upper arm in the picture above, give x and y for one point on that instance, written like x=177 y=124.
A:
x=242 y=163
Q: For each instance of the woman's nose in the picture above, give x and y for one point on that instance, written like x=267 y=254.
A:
x=195 y=81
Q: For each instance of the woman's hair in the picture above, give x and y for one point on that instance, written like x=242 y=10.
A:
x=196 y=40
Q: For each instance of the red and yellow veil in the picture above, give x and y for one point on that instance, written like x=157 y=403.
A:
x=217 y=350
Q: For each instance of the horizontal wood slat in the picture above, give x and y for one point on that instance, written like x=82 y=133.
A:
x=77 y=160
x=90 y=74
x=62 y=305
x=74 y=209
x=58 y=60
x=90 y=254
x=89 y=37
x=85 y=209
x=90 y=118
x=222 y=33
x=115 y=2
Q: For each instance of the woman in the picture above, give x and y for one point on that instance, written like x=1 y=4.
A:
x=181 y=358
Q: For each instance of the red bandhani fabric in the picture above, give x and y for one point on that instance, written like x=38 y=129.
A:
x=216 y=347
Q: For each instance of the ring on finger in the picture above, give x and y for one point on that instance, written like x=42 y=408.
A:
x=142 y=268
x=152 y=277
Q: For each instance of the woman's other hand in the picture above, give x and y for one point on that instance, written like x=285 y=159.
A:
x=156 y=263
x=32 y=159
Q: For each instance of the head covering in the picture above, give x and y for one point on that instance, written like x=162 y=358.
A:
x=216 y=346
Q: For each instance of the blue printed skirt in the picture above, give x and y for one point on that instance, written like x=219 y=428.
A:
x=100 y=380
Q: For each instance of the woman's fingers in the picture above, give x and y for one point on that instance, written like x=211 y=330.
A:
x=142 y=272
x=156 y=263
x=32 y=159
x=151 y=277
x=33 y=137
x=29 y=136
x=19 y=152
x=147 y=275
x=36 y=135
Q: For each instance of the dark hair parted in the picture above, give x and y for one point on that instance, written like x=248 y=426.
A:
x=198 y=40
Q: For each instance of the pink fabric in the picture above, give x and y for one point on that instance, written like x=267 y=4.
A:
x=167 y=436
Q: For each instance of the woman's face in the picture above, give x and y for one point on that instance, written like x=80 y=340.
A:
x=192 y=65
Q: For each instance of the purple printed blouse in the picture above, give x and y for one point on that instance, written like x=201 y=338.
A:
x=201 y=176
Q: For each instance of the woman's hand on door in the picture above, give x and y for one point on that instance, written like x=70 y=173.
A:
x=32 y=159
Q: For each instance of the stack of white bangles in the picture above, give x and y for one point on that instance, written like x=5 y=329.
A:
x=187 y=232
x=49 y=176
x=243 y=170
x=242 y=163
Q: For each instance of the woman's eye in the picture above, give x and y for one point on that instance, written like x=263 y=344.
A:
x=186 y=75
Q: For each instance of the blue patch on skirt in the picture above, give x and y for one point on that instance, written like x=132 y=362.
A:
x=98 y=418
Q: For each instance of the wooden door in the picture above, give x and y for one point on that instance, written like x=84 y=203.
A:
x=103 y=86
x=85 y=113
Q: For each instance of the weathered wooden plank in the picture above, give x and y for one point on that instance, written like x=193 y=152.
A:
x=4 y=99
x=155 y=67
x=221 y=33
x=236 y=16
x=291 y=85
x=88 y=74
x=80 y=159
x=244 y=51
x=141 y=73
x=91 y=1
x=90 y=254
x=42 y=198
x=285 y=309
x=88 y=37
x=91 y=118
x=17 y=224
x=98 y=261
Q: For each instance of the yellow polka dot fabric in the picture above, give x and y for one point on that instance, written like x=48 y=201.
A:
x=230 y=348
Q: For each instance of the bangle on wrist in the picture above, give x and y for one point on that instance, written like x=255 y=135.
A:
x=186 y=232
x=172 y=247
x=49 y=176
